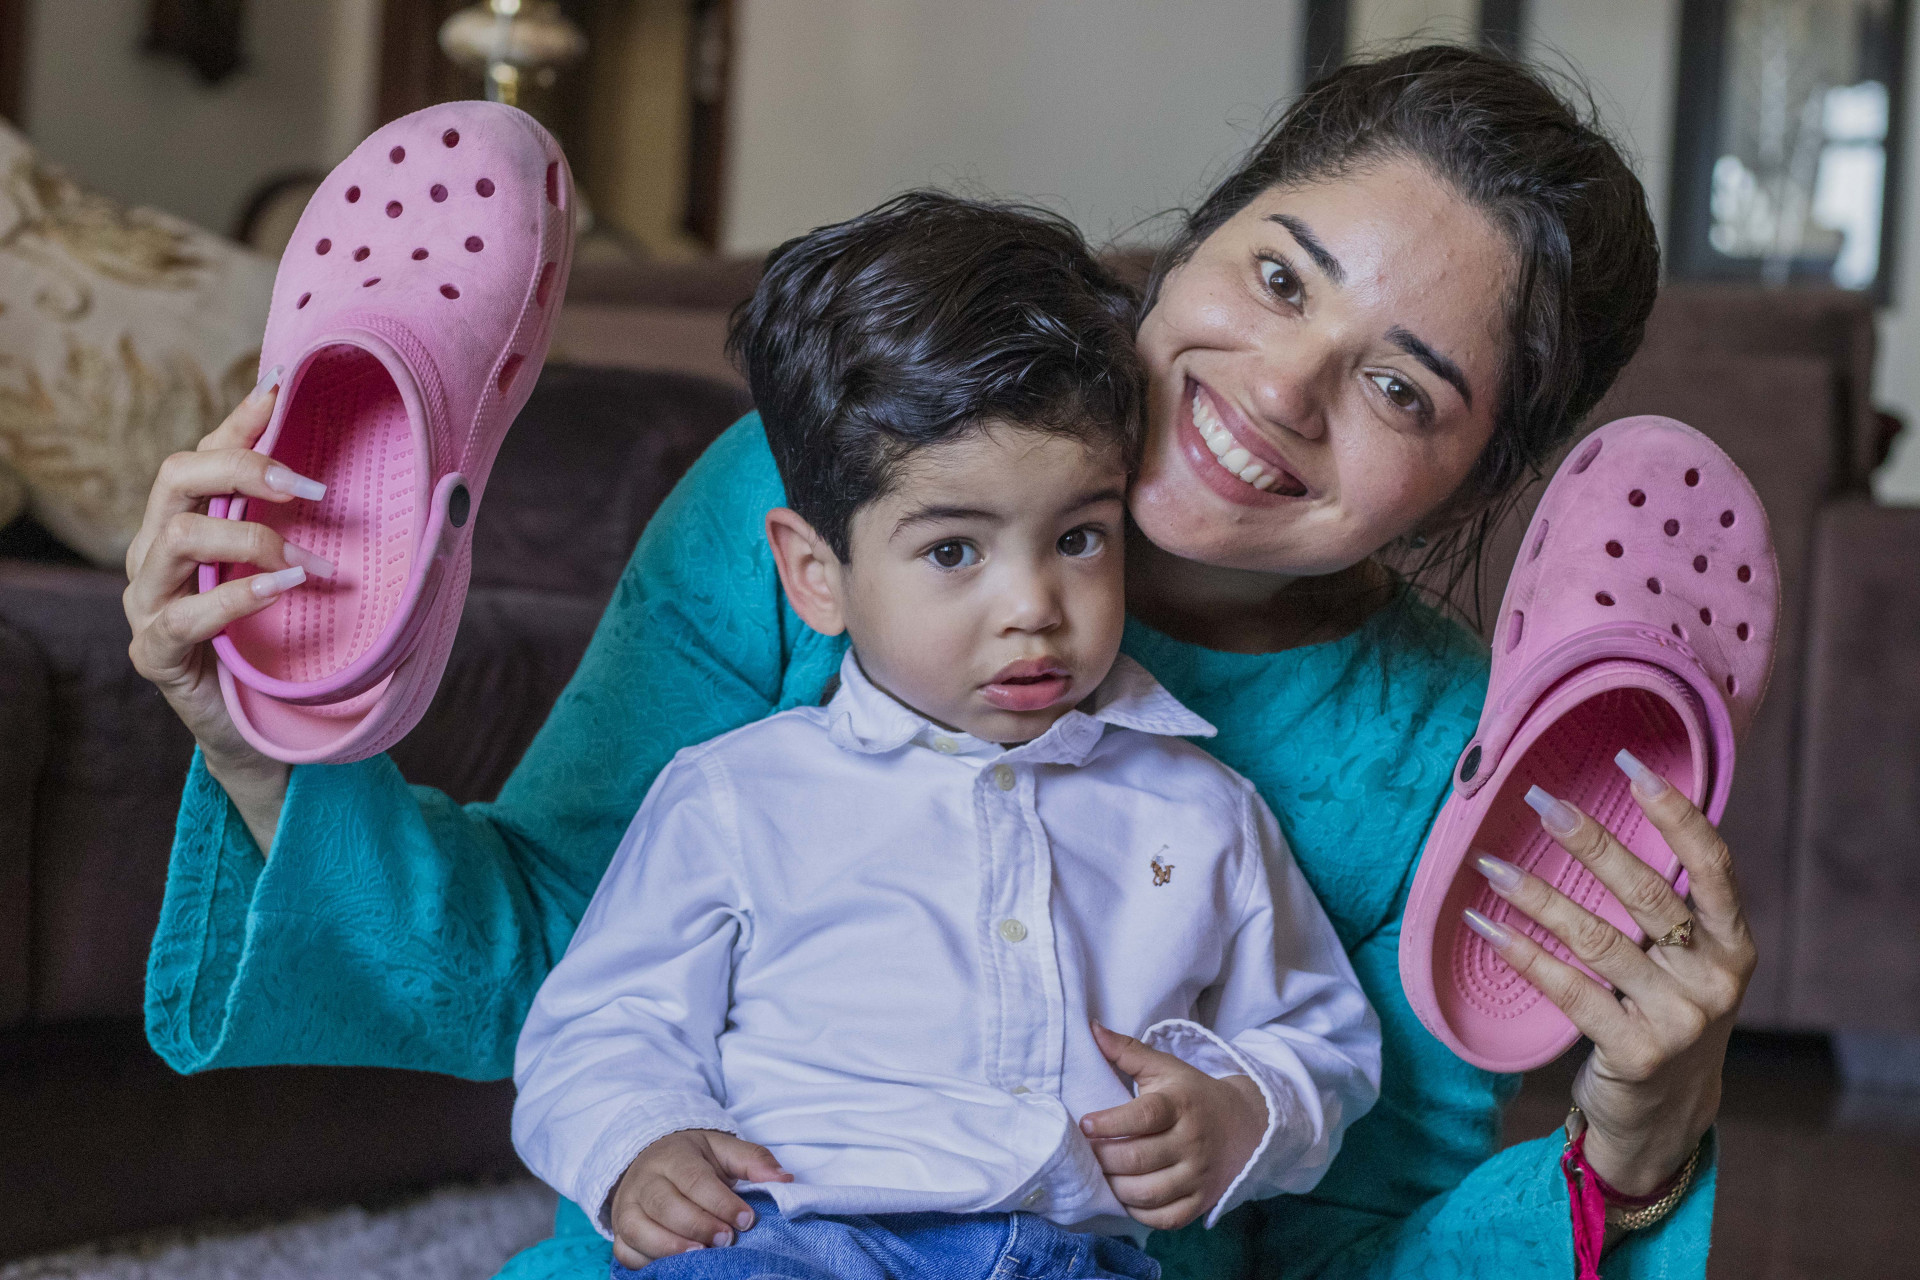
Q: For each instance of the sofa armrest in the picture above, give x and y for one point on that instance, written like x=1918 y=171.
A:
x=1857 y=864
x=23 y=751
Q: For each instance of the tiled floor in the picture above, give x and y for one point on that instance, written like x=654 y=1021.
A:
x=1815 y=1182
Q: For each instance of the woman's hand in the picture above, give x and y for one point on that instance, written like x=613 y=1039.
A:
x=1651 y=1086
x=172 y=621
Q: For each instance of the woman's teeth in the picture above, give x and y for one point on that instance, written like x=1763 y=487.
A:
x=1225 y=451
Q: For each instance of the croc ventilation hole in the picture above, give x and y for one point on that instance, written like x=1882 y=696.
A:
x=305 y=298
x=1733 y=686
x=1673 y=528
x=360 y=254
x=1636 y=499
x=323 y=246
x=544 y=291
x=1726 y=519
x=1586 y=457
x=1679 y=632
x=448 y=291
x=553 y=184
x=1615 y=550
x=369 y=282
x=1516 y=627
x=1706 y=617
x=508 y=368
x=353 y=195
x=1653 y=585
x=397 y=154
x=475 y=244
x=1693 y=477
x=393 y=208
x=438 y=193
x=1744 y=573
x=484 y=187
x=419 y=255
x=1743 y=631
x=1699 y=564
x=451 y=137
x=1604 y=598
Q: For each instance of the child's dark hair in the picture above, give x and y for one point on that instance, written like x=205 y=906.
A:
x=920 y=320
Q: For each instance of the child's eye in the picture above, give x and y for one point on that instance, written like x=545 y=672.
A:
x=1281 y=281
x=954 y=555
x=1080 y=543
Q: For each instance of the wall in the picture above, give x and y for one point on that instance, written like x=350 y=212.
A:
x=146 y=130
x=1108 y=110
x=1112 y=110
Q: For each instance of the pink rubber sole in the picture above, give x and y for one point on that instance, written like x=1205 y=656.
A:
x=346 y=422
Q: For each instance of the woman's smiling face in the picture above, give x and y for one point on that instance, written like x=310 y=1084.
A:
x=1324 y=371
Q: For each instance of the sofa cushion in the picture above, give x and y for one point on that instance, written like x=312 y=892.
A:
x=125 y=335
x=586 y=463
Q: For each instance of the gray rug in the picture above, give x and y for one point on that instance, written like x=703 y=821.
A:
x=459 y=1233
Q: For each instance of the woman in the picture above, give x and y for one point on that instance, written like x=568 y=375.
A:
x=1408 y=295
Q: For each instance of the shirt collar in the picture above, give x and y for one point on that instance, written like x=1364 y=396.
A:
x=863 y=717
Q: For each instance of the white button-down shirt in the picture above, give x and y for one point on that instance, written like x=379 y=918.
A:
x=873 y=945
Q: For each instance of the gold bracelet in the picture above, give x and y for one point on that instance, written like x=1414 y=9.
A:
x=1636 y=1218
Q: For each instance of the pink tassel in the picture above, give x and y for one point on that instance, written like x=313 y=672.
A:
x=1589 y=1206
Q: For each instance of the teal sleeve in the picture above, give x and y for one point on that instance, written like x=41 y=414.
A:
x=392 y=927
x=1421 y=1191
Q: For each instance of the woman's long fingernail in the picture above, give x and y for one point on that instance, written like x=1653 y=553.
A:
x=1498 y=935
x=1557 y=816
x=272 y=584
x=1648 y=783
x=1503 y=876
x=287 y=480
x=316 y=566
x=268 y=381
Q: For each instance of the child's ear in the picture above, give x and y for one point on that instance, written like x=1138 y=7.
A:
x=809 y=571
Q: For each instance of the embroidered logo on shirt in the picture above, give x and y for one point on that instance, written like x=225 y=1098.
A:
x=1162 y=871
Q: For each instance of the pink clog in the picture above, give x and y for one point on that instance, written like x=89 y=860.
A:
x=411 y=313
x=1641 y=615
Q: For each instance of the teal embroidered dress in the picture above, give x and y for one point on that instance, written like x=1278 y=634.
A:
x=392 y=927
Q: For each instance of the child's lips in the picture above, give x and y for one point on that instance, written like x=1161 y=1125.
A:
x=1032 y=685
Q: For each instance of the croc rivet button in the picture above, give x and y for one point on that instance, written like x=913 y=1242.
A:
x=1471 y=764
x=459 y=506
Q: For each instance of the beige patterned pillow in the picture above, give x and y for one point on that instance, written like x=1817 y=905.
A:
x=125 y=335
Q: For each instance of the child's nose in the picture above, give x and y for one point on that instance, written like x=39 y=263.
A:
x=1033 y=603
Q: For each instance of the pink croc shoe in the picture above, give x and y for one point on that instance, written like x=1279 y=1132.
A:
x=412 y=313
x=1641 y=615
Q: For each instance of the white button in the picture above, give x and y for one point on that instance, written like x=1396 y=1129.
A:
x=945 y=746
x=1019 y=1089
x=1013 y=931
x=1003 y=777
x=1033 y=1198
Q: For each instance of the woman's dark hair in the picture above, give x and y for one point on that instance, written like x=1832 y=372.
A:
x=1572 y=211
x=923 y=319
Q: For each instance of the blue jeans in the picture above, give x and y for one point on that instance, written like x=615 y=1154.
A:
x=904 y=1246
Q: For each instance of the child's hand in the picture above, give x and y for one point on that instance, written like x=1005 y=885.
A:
x=677 y=1195
x=1172 y=1152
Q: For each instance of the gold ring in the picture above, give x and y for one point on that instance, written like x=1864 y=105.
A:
x=1681 y=935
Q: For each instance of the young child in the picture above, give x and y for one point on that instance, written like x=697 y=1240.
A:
x=863 y=958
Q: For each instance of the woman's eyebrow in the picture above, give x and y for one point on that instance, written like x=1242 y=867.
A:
x=1329 y=265
x=1426 y=355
